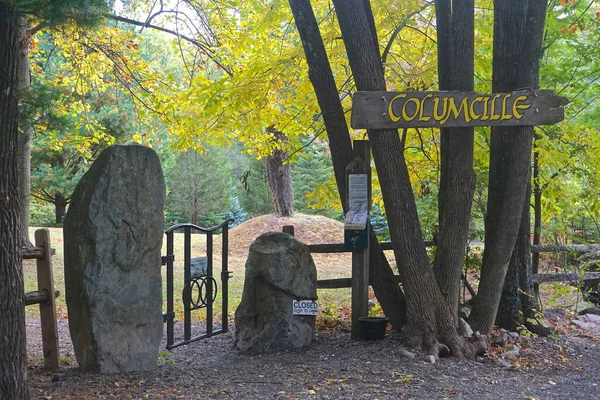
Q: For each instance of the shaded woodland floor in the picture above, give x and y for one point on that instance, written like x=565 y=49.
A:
x=333 y=367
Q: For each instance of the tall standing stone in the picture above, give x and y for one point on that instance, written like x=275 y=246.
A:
x=113 y=234
x=279 y=270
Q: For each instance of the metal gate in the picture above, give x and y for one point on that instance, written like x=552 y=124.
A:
x=200 y=286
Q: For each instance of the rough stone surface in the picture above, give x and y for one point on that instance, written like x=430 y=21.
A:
x=113 y=235
x=514 y=352
x=406 y=354
x=465 y=328
x=279 y=270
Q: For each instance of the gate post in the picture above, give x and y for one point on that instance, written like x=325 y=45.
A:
x=47 y=308
x=356 y=230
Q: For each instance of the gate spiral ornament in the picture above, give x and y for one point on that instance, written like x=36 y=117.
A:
x=196 y=294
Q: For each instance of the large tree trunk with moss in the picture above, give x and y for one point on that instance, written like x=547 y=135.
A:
x=381 y=276
x=518 y=31
x=430 y=322
x=13 y=355
x=24 y=141
x=279 y=173
x=455 y=27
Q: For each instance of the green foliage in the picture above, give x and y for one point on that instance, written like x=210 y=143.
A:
x=165 y=357
x=312 y=170
x=252 y=188
x=199 y=185
x=41 y=213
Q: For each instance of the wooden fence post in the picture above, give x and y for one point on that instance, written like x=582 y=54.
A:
x=360 y=165
x=289 y=229
x=47 y=308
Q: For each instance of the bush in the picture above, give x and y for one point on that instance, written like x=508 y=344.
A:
x=41 y=214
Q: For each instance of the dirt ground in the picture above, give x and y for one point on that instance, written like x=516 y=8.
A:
x=332 y=367
x=566 y=366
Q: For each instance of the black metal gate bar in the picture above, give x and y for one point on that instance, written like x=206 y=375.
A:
x=170 y=309
x=207 y=282
x=209 y=285
x=225 y=278
x=187 y=257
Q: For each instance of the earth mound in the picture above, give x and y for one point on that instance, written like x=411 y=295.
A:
x=309 y=229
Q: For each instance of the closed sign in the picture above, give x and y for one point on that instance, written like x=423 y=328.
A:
x=305 y=307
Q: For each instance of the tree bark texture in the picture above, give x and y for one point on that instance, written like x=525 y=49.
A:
x=24 y=141
x=13 y=356
x=512 y=300
x=455 y=31
x=429 y=321
x=280 y=175
x=518 y=30
x=518 y=304
x=537 y=222
x=60 y=207
x=384 y=285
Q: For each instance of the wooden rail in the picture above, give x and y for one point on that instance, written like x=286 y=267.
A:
x=42 y=253
x=339 y=283
x=570 y=276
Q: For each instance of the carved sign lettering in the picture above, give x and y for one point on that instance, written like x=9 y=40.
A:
x=385 y=110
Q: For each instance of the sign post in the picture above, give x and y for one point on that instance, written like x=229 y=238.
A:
x=356 y=230
x=449 y=109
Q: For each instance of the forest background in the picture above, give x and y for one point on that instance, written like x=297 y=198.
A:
x=220 y=90
x=207 y=104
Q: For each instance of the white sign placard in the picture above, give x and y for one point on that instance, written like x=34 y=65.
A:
x=305 y=307
x=358 y=207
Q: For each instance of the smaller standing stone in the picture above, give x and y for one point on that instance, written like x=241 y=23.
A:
x=279 y=270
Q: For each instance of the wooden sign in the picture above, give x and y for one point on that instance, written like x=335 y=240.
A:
x=391 y=110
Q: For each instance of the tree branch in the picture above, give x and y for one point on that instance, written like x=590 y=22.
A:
x=196 y=43
x=398 y=29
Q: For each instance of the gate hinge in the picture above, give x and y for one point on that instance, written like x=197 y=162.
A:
x=168 y=316
x=165 y=259
x=226 y=275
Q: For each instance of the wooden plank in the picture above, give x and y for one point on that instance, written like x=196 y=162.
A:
x=47 y=308
x=392 y=110
x=565 y=277
x=575 y=248
x=32 y=253
x=341 y=283
x=339 y=247
x=338 y=283
x=38 y=297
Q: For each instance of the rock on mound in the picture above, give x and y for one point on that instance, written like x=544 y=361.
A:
x=309 y=229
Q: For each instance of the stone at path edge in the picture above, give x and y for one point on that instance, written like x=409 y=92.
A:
x=112 y=239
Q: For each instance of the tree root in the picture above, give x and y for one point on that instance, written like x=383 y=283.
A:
x=438 y=350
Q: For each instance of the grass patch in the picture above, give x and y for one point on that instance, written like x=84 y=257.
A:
x=329 y=266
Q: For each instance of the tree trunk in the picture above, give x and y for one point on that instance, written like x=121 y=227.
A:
x=537 y=223
x=518 y=30
x=510 y=304
x=24 y=140
x=386 y=290
x=279 y=175
x=60 y=207
x=13 y=354
x=518 y=305
x=455 y=27
x=429 y=320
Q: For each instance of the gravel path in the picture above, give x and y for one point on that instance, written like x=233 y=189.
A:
x=332 y=368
